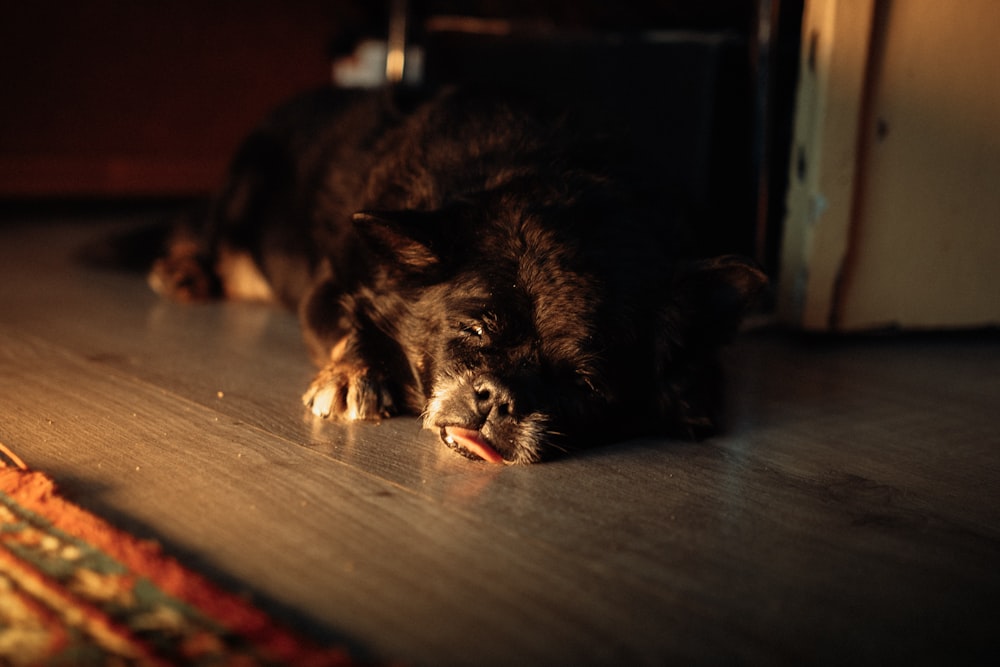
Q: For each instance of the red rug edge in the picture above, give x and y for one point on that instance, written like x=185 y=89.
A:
x=37 y=493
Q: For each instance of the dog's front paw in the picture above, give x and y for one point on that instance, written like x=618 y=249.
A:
x=347 y=392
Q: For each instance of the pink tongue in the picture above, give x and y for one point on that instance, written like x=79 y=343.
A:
x=474 y=442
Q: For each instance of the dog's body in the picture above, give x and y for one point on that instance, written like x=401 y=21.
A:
x=455 y=258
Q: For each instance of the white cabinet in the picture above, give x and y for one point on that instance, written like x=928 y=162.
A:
x=894 y=197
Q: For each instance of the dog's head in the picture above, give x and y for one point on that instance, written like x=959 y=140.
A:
x=531 y=331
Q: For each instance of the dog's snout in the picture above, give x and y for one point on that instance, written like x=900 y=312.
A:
x=491 y=395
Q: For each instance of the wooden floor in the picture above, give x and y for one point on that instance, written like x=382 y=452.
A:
x=850 y=516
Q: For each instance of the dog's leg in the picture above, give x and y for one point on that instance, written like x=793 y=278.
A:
x=186 y=273
x=349 y=385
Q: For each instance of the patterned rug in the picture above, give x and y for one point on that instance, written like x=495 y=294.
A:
x=76 y=591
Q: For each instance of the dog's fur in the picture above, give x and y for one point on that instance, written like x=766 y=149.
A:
x=456 y=258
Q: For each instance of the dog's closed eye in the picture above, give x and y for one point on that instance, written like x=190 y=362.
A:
x=472 y=330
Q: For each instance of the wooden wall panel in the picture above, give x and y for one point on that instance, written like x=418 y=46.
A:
x=116 y=97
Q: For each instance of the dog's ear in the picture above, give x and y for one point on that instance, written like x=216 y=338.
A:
x=715 y=294
x=413 y=241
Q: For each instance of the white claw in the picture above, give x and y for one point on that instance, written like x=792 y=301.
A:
x=322 y=402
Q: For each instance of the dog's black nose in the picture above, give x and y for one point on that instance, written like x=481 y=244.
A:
x=492 y=396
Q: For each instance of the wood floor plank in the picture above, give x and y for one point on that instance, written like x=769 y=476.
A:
x=850 y=515
x=341 y=544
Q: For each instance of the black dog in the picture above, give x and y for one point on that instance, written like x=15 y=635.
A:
x=456 y=258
